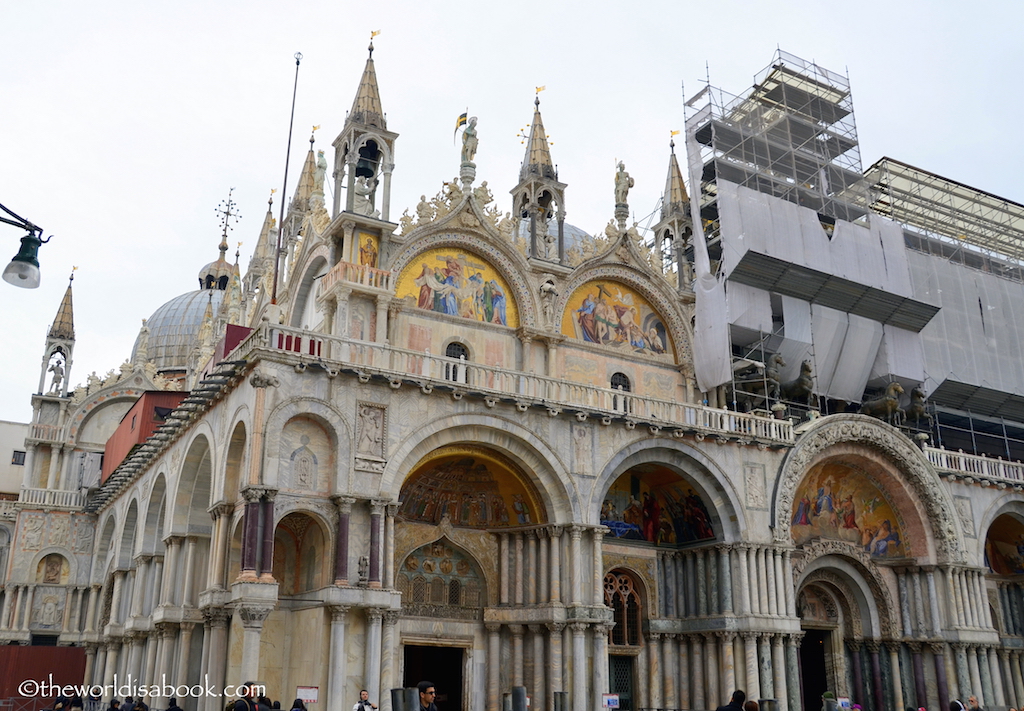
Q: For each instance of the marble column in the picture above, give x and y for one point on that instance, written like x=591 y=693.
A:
x=697 y=674
x=250 y=532
x=390 y=511
x=555 y=533
x=520 y=573
x=543 y=568
x=859 y=694
x=764 y=663
x=113 y=649
x=139 y=584
x=702 y=584
x=975 y=675
x=600 y=662
x=184 y=647
x=252 y=618
x=374 y=617
x=727 y=663
x=336 y=661
x=493 y=666
x=90 y=662
x=995 y=678
x=743 y=578
x=725 y=579
x=503 y=569
x=341 y=552
x=712 y=679
x=780 y=585
x=874 y=646
x=538 y=685
x=938 y=650
x=100 y=667
x=654 y=681
x=377 y=507
x=793 y=681
x=690 y=582
x=790 y=591
x=170 y=570
x=779 y=672
x=387 y=660
x=893 y=647
x=10 y=591
x=598 y=533
x=579 y=658
x=555 y=662
x=1018 y=677
x=575 y=532
x=756 y=581
x=190 y=571
x=684 y=671
x=933 y=601
x=753 y=678
x=904 y=595
x=668 y=671
x=530 y=591
x=517 y=654
x=216 y=656
x=769 y=568
x=1009 y=697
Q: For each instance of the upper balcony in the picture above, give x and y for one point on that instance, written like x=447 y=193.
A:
x=427 y=371
x=966 y=467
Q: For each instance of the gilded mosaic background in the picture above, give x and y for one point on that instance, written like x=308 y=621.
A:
x=612 y=314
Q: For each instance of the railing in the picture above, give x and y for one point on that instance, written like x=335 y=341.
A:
x=8 y=509
x=51 y=497
x=45 y=432
x=975 y=465
x=429 y=370
x=355 y=274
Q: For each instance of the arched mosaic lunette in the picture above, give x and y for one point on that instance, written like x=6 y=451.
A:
x=900 y=451
x=469 y=242
x=679 y=330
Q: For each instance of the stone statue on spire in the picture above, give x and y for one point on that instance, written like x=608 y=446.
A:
x=469 y=142
x=623 y=182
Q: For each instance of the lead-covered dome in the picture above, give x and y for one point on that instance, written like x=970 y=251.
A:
x=173 y=328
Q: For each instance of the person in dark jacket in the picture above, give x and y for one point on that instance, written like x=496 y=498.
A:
x=736 y=703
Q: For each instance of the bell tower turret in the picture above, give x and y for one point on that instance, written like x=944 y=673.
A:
x=60 y=345
x=539 y=197
x=674 y=229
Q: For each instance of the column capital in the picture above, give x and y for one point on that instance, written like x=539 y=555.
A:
x=1003 y=653
x=727 y=635
x=374 y=614
x=873 y=645
x=391 y=618
x=796 y=639
x=215 y=616
x=392 y=509
x=893 y=645
x=516 y=630
x=186 y=627
x=576 y=531
x=915 y=647
x=253 y=616
x=578 y=628
x=493 y=627
x=338 y=612
x=748 y=636
x=175 y=539
x=377 y=506
x=534 y=629
x=223 y=509
x=556 y=627
x=344 y=503
x=937 y=647
x=252 y=494
x=855 y=644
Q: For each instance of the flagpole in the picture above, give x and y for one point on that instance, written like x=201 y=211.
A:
x=284 y=186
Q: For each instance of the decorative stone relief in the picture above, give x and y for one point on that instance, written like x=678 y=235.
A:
x=371 y=437
x=964 y=508
x=754 y=479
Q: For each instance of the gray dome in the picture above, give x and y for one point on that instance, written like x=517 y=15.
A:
x=574 y=236
x=173 y=328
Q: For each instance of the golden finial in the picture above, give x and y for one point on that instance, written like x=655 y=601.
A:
x=673 y=133
x=317 y=128
x=541 y=88
x=374 y=33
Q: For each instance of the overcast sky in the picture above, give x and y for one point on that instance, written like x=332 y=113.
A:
x=125 y=123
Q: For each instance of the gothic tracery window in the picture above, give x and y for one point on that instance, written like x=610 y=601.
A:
x=621 y=595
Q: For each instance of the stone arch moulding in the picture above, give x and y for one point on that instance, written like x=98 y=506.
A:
x=675 y=322
x=304 y=284
x=533 y=456
x=1015 y=505
x=849 y=569
x=503 y=258
x=323 y=413
x=694 y=463
x=64 y=553
x=814 y=445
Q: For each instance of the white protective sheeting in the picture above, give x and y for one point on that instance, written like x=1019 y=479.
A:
x=751 y=221
x=795 y=347
x=828 y=333
x=899 y=355
x=712 y=352
x=975 y=338
x=749 y=307
x=855 y=360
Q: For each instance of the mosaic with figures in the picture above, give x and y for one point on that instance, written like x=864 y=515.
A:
x=439 y=574
x=654 y=504
x=1004 y=546
x=473 y=487
x=611 y=314
x=458 y=283
x=838 y=502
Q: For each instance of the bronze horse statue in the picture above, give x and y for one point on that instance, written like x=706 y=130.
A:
x=801 y=387
x=917 y=412
x=887 y=407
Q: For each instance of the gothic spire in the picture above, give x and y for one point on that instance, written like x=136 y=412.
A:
x=306 y=179
x=538 y=156
x=366 y=108
x=64 y=324
x=675 y=201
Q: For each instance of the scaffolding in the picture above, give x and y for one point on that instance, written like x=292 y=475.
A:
x=792 y=135
x=949 y=219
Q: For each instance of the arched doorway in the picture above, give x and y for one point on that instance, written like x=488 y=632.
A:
x=622 y=593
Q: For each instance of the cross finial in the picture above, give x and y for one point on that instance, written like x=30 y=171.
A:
x=227 y=209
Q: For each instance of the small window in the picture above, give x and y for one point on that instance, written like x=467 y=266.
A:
x=620 y=381
x=18 y=459
x=456 y=372
x=134 y=418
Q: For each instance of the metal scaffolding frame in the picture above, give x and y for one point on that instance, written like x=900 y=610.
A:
x=973 y=227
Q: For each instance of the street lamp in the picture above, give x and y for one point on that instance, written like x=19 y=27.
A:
x=23 y=271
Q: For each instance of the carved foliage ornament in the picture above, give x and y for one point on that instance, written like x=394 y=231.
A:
x=906 y=458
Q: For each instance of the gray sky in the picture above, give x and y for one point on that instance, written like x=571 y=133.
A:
x=125 y=123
